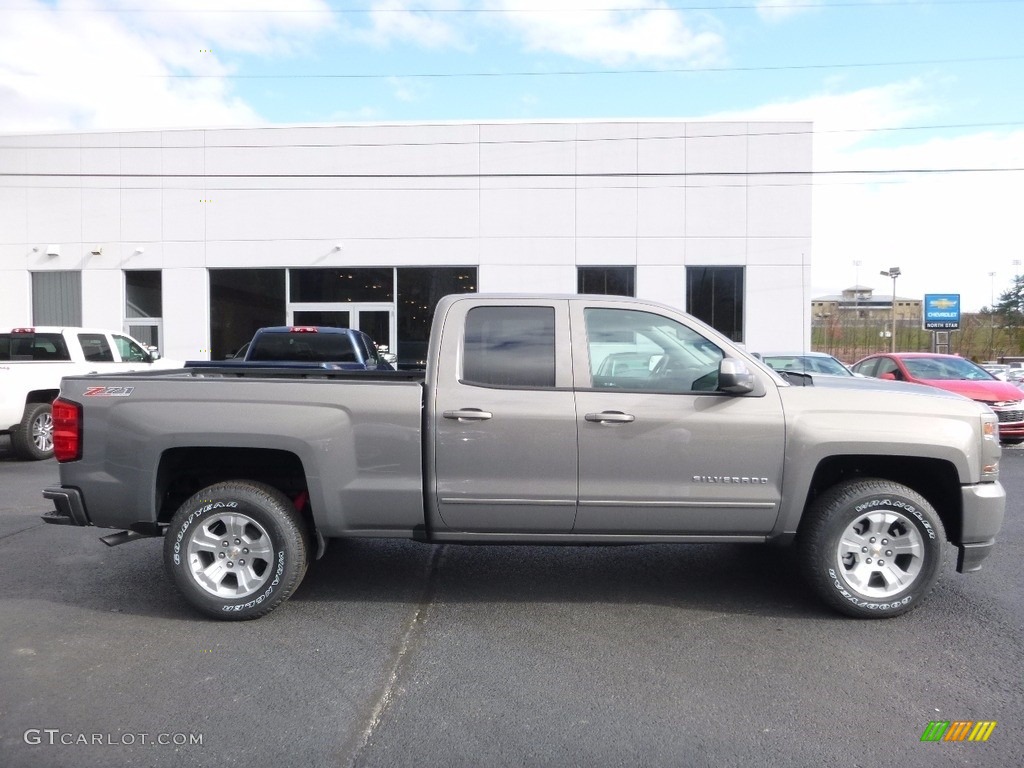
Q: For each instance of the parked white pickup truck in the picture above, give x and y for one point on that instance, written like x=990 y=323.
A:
x=32 y=363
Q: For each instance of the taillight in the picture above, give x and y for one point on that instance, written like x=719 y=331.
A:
x=303 y=329
x=67 y=430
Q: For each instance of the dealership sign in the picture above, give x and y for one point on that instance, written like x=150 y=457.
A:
x=942 y=311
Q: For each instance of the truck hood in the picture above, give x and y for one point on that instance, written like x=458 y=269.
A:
x=866 y=384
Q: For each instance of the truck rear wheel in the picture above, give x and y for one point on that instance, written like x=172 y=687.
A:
x=871 y=548
x=236 y=550
x=33 y=439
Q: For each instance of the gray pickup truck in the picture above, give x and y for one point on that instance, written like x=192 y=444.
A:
x=541 y=420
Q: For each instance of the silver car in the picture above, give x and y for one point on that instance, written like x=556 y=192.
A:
x=806 y=362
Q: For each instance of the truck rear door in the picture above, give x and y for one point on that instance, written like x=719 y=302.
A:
x=504 y=423
x=660 y=450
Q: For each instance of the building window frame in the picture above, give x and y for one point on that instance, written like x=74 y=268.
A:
x=715 y=295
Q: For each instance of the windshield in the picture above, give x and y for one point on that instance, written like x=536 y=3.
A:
x=807 y=364
x=946 y=369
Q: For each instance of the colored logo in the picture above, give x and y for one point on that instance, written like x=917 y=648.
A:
x=958 y=730
x=942 y=311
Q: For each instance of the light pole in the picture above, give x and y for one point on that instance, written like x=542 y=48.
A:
x=992 y=317
x=893 y=272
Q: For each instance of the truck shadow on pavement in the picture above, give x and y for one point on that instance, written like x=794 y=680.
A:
x=727 y=578
x=719 y=578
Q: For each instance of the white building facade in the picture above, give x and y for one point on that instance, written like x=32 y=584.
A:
x=193 y=238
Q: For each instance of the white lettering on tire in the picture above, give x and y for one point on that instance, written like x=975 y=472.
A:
x=837 y=583
x=902 y=505
x=256 y=601
x=201 y=511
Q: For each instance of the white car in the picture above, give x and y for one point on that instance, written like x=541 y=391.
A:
x=1000 y=371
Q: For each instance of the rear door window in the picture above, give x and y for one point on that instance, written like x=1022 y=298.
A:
x=95 y=348
x=509 y=347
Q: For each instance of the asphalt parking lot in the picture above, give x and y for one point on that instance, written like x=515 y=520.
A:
x=403 y=654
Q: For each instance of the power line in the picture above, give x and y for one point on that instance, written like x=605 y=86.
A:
x=567 y=72
x=335 y=9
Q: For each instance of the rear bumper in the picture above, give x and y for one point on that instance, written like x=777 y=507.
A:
x=984 y=506
x=69 y=507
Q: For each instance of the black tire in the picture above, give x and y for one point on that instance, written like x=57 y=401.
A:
x=254 y=531
x=871 y=548
x=32 y=440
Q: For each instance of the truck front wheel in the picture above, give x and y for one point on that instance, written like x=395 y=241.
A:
x=871 y=548
x=236 y=550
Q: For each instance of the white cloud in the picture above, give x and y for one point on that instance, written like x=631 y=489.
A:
x=76 y=66
x=946 y=232
x=777 y=10
x=627 y=32
x=399 y=21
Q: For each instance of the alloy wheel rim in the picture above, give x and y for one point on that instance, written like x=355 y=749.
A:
x=42 y=432
x=880 y=554
x=230 y=555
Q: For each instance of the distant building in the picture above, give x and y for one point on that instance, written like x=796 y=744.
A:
x=860 y=305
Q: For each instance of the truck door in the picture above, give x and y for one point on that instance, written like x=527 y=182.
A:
x=504 y=424
x=661 y=451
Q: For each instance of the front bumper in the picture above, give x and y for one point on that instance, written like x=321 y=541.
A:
x=984 y=506
x=69 y=507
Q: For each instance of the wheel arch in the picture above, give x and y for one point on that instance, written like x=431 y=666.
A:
x=935 y=479
x=41 y=396
x=183 y=471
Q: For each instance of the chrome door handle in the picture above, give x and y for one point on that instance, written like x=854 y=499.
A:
x=468 y=414
x=610 y=417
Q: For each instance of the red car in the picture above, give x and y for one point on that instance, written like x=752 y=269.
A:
x=954 y=374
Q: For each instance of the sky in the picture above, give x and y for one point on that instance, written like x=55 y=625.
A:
x=917 y=105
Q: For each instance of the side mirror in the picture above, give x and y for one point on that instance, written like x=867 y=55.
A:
x=734 y=377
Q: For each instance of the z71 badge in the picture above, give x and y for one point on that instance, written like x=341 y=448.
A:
x=108 y=392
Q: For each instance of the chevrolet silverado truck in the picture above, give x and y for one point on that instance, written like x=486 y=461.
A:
x=34 y=360
x=539 y=420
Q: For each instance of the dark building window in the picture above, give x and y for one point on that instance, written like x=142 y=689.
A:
x=241 y=301
x=715 y=295
x=57 y=298
x=333 y=285
x=419 y=290
x=143 y=310
x=606 y=281
x=143 y=293
x=510 y=347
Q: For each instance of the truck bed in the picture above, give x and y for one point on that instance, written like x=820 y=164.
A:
x=355 y=437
